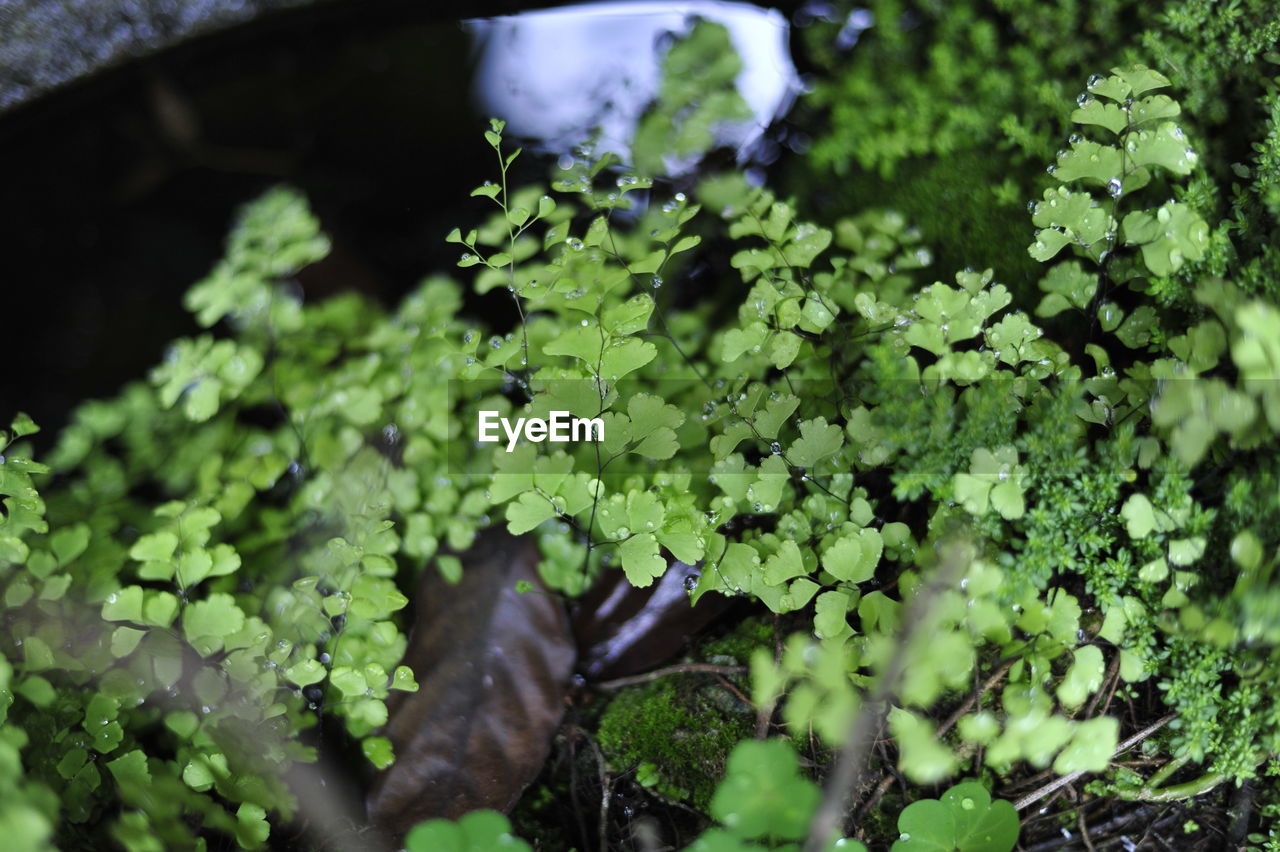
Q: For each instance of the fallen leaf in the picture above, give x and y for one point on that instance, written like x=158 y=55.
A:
x=493 y=668
x=623 y=630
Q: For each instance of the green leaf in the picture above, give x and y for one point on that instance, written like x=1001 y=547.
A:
x=763 y=794
x=478 y=831
x=193 y=566
x=1136 y=329
x=403 y=680
x=921 y=756
x=1091 y=747
x=641 y=560
x=123 y=605
x=625 y=356
x=206 y=623
x=648 y=414
x=853 y=558
x=1140 y=79
x=830 y=619
x=816 y=315
x=982 y=825
x=1154 y=108
x=1114 y=88
x=739 y=341
x=817 y=441
x=1090 y=162
x=252 y=828
x=1102 y=114
x=965 y=819
x=1006 y=498
x=630 y=317
x=528 y=511
x=1083 y=678
x=159 y=608
x=1166 y=146
x=125 y=639
x=1169 y=237
x=784 y=565
x=130 y=770
x=1066 y=285
x=69 y=542
x=22 y=425
x=784 y=349
x=305 y=672
x=197 y=775
x=926 y=826
x=157 y=547
x=378 y=751
x=776 y=412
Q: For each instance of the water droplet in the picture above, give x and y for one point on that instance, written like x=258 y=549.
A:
x=1114 y=187
x=655 y=282
x=1094 y=81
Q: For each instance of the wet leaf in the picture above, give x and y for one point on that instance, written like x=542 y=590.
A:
x=623 y=630
x=493 y=666
x=964 y=819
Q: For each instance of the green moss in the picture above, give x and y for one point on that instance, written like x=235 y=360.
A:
x=746 y=636
x=929 y=192
x=675 y=735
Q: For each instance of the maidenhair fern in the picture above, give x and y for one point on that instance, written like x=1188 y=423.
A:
x=924 y=485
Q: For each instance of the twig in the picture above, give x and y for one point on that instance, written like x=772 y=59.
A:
x=1084 y=831
x=1058 y=844
x=729 y=687
x=1058 y=783
x=573 y=783
x=874 y=799
x=973 y=699
x=683 y=668
x=846 y=775
x=886 y=781
x=606 y=785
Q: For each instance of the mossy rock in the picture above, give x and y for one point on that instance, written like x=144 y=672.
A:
x=675 y=735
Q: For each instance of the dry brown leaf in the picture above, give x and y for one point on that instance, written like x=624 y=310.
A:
x=493 y=667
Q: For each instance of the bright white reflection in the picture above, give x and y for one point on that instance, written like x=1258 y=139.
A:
x=555 y=74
